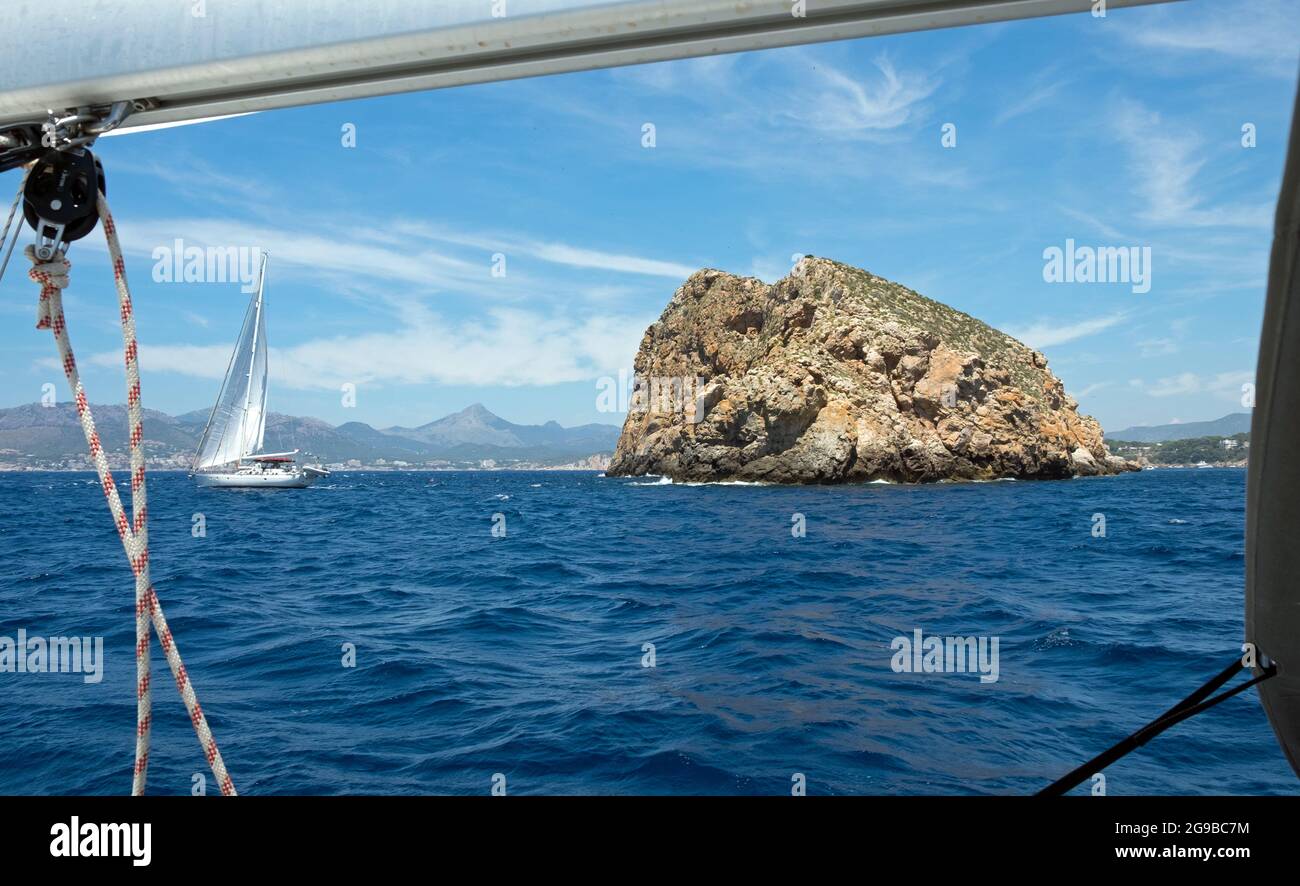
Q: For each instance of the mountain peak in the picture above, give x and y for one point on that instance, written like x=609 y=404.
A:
x=476 y=415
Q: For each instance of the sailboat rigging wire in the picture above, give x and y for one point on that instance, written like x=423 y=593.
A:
x=1194 y=704
x=8 y=221
x=53 y=278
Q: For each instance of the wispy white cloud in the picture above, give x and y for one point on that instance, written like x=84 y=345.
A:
x=1264 y=34
x=404 y=257
x=509 y=244
x=859 y=107
x=507 y=347
x=1220 y=385
x=402 y=340
x=1040 y=94
x=574 y=256
x=1166 y=159
x=193 y=178
x=1228 y=261
x=194 y=361
x=1047 y=333
x=1183 y=383
x=820 y=97
x=321 y=251
x=785 y=112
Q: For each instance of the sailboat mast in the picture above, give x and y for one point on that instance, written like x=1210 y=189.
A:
x=257 y=326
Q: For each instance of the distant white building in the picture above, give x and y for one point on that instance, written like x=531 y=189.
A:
x=1229 y=444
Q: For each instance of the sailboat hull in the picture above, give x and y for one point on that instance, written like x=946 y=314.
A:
x=257 y=480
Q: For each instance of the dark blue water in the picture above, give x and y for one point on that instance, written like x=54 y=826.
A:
x=523 y=655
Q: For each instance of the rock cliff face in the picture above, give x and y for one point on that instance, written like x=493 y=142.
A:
x=835 y=375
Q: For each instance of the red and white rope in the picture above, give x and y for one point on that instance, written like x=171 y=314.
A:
x=53 y=277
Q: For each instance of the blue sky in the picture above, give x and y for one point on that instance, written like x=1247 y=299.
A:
x=1122 y=131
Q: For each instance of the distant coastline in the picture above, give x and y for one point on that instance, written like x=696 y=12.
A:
x=597 y=462
x=1240 y=465
x=1231 y=451
x=39 y=437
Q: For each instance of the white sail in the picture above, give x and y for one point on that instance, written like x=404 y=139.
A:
x=238 y=421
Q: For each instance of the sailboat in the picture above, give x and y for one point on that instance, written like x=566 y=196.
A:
x=229 y=452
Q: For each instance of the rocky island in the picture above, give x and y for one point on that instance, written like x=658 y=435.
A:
x=835 y=375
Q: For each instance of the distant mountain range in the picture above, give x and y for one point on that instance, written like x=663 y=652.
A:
x=51 y=435
x=1233 y=423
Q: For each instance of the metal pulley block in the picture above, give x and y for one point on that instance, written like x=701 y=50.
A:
x=60 y=197
x=60 y=193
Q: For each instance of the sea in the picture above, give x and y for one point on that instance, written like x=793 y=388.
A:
x=570 y=633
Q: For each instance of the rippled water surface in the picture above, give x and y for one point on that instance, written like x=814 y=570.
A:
x=523 y=655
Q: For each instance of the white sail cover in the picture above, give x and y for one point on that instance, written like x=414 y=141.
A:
x=238 y=421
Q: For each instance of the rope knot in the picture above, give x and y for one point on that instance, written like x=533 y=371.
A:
x=52 y=276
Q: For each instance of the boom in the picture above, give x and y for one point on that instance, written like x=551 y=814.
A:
x=174 y=64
